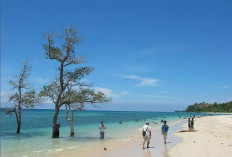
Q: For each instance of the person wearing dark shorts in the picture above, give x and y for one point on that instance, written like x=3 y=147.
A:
x=102 y=130
x=189 y=123
x=192 y=124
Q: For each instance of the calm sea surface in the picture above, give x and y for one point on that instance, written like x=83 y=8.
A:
x=35 y=137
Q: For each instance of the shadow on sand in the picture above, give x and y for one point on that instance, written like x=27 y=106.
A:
x=187 y=131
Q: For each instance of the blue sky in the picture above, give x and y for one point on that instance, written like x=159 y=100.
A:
x=148 y=55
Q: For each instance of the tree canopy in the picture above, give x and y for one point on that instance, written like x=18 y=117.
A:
x=206 y=107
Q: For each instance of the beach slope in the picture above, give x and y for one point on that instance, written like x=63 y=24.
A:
x=213 y=138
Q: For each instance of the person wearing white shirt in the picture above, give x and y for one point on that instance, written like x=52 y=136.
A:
x=102 y=130
x=146 y=132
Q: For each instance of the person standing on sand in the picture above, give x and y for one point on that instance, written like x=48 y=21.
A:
x=146 y=132
x=192 y=124
x=102 y=130
x=164 y=131
x=189 y=123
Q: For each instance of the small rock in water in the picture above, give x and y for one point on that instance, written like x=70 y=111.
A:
x=105 y=148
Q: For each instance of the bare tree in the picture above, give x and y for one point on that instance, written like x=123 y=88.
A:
x=76 y=99
x=68 y=71
x=23 y=96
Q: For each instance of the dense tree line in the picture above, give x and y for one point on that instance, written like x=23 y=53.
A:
x=206 y=107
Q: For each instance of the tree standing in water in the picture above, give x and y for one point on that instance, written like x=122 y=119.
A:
x=76 y=99
x=23 y=96
x=69 y=71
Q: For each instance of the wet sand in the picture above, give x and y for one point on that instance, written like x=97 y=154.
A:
x=132 y=147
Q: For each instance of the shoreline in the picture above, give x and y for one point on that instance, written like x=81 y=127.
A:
x=214 y=140
x=119 y=137
x=127 y=147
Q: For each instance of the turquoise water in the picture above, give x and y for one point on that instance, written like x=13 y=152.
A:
x=35 y=137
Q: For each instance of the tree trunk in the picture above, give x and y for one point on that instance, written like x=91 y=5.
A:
x=19 y=108
x=70 y=120
x=56 y=127
x=18 y=118
x=19 y=121
x=71 y=127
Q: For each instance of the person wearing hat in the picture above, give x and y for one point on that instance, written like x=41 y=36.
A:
x=146 y=132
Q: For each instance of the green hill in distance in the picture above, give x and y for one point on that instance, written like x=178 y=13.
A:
x=206 y=107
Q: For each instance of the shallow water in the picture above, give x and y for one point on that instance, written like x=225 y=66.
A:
x=35 y=137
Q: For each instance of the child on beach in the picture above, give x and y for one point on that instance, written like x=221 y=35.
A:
x=102 y=130
x=146 y=132
x=164 y=131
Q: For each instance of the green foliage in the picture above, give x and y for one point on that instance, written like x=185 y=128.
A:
x=50 y=91
x=65 y=54
x=206 y=107
x=27 y=99
x=67 y=88
x=78 y=98
x=76 y=95
x=77 y=74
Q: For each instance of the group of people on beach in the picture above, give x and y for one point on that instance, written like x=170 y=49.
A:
x=146 y=133
x=191 y=123
x=146 y=130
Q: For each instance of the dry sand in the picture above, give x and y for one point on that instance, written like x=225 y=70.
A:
x=213 y=138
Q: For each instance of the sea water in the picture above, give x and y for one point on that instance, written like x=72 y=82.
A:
x=36 y=129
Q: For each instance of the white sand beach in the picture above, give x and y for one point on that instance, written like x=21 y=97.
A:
x=213 y=138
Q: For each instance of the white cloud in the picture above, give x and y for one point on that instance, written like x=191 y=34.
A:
x=41 y=81
x=157 y=96
x=48 y=101
x=225 y=87
x=106 y=91
x=124 y=92
x=211 y=86
x=167 y=91
x=142 y=68
x=4 y=97
x=143 y=80
x=151 y=96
